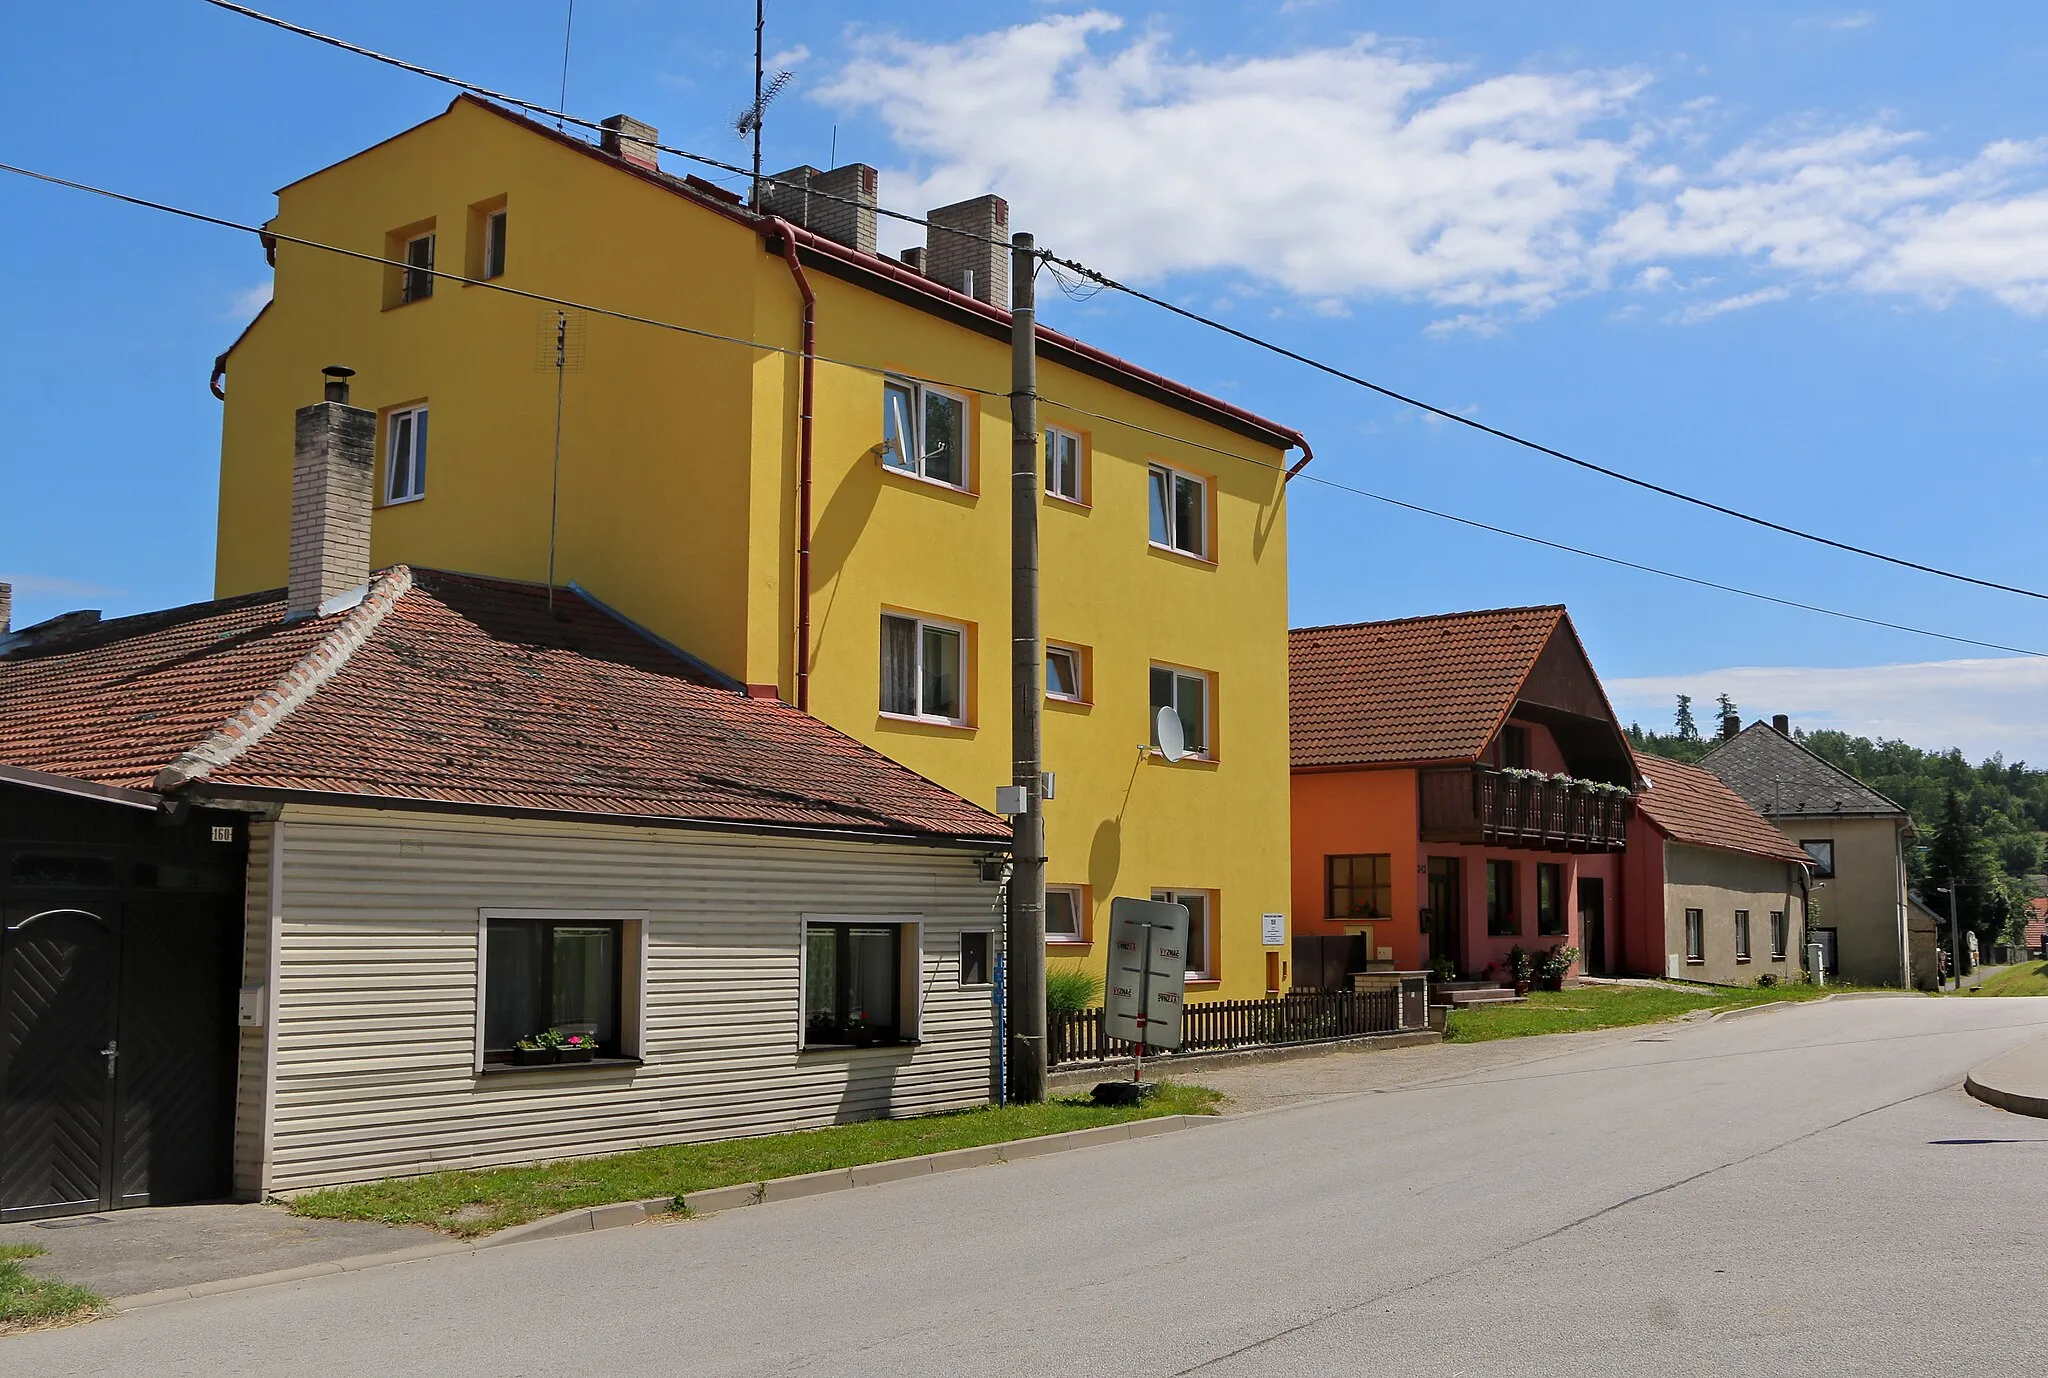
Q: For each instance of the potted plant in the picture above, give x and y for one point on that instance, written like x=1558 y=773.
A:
x=539 y=1049
x=1556 y=965
x=577 y=1047
x=1442 y=969
x=1520 y=968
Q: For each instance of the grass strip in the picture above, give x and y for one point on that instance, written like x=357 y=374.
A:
x=2028 y=978
x=1611 y=1007
x=473 y=1203
x=29 y=1302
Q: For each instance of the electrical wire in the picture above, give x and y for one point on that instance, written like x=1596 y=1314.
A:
x=595 y=126
x=1407 y=400
x=360 y=256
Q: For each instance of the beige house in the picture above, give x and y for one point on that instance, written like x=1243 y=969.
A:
x=1856 y=837
x=1711 y=891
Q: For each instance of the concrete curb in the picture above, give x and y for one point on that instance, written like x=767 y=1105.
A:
x=2015 y=1080
x=713 y=1202
x=1748 y=1010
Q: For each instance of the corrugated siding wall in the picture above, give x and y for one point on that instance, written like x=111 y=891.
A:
x=377 y=997
x=249 y=1053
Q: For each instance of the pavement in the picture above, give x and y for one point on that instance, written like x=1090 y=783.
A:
x=1793 y=1192
x=2015 y=1080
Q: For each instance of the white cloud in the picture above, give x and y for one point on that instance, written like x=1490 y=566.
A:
x=1367 y=170
x=245 y=302
x=1862 y=19
x=1707 y=310
x=1983 y=706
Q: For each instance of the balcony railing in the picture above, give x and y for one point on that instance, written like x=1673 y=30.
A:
x=1489 y=807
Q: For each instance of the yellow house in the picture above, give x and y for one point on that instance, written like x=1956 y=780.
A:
x=684 y=497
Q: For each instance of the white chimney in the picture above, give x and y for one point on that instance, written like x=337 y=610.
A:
x=333 y=457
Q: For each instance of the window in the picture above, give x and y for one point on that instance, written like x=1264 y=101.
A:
x=922 y=669
x=1695 y=935
x=1066 y=912
x=1742 y=935
x=855 y=994
x=1180 y=512
x=1201 y=945
x=1514 y=747
x=405 y=456
x=924 y=432
x=1063 y=674
x=1549 y=899
x=1187 y=694
x=564 y=974
x=1501 y=921
x=1360 y=887
x=977 y=962
x=1822 y=850
x=1063 y=464
x=494 y=245
x=419 y=269
x=1781 y=937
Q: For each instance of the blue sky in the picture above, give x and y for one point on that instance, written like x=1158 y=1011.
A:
x=1794 y=259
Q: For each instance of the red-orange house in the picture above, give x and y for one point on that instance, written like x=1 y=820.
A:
x=1460 y=787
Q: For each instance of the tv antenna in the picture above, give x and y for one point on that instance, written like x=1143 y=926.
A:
x=748 y=123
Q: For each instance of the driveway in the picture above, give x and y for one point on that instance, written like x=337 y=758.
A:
x=1800 y=1191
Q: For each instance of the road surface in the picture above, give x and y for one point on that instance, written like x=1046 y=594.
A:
x=1805 y=1190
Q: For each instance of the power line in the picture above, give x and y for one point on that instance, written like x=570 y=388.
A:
x=1526 y=443
x=359 y=255
x=595 y=126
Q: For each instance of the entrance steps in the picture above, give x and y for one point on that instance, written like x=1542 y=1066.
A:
x=1457 y=993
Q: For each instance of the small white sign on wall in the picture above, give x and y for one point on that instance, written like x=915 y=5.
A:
x=1273 y=929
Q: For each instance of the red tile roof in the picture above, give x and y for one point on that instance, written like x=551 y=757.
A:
x=447 y=689
x=1416 y=690
x=1690 y=804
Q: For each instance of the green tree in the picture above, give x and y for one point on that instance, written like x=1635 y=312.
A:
x=1957 y=855
x=1688 y=731
x=1726 y=709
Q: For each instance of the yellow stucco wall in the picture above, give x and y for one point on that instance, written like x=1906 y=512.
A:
x=678 y=496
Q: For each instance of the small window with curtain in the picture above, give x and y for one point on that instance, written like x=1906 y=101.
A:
x=1695 y=935
x=1781 y=936
x=855 y=994
x=1186 y=692
x=553 y=980
x=1066 y=914
x=405 y=456
x=1550 y=920
x=1359 y=887
x=924 y=432
x=1201 y=930
x=923 y=669
x=1063 y=464
x=1179 y=511
x=1501 y=919
x=1742 y=935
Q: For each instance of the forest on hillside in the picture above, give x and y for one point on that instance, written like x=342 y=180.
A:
x=1986 y=823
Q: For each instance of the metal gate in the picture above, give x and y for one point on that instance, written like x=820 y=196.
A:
x=120 y=954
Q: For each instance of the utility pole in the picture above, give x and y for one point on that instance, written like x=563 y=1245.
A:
x=1026 y=928
x=1955 y=936
x=760 y=29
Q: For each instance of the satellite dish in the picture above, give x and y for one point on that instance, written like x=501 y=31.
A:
x=1173 y=743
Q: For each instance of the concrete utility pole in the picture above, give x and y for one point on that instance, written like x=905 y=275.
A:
x=1027 y=877
x=1955 y=936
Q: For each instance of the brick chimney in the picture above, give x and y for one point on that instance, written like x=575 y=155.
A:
x=1731 y=726
x=6 y=608
x=333 y=457
x=978 y=266
x=913 y=258
x=630 y=141
x=839 y=204
x=1782 y=723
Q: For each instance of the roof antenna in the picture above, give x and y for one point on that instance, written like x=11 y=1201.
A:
x=562 y=104
x=749 y=120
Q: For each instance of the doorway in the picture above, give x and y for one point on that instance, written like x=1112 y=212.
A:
x=1447 y=911
x=1593 y=924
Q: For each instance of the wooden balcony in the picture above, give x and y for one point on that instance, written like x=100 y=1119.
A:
x=1487 y=807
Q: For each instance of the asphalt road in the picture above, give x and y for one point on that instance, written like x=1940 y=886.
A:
x=1806 y=1190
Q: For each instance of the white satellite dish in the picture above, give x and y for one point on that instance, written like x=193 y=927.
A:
x=1173 y=743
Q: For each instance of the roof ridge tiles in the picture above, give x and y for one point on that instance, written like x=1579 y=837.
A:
x=255 y=720
x=1425 y=617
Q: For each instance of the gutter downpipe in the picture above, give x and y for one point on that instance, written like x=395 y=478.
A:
x=803 y=464
x=1306 y=455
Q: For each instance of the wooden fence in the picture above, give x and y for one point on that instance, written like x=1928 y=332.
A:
x=1307 y=1016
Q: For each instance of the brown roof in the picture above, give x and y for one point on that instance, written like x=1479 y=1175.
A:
x=1690 y=804
x=448 y=690
x=1410 y=691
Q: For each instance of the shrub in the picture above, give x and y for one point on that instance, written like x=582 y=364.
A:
x=1769 y=978
x=1071 y=986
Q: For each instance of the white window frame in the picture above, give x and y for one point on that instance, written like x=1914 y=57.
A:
x=914 y=466
x=910 y=978
x=1181 y=672
x=425 y=284
x=494 y=243
x=1079 y=659
x=1742 y=948
x=1079 y=896
x=1781 y=933
x=1209 y=908
x=415 y=468
x=959 y=630
x=1822 y=870
x=633 y=928
x=1174 y=478
x=1695 y=936
x=990 y=971
x=1079 y=497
